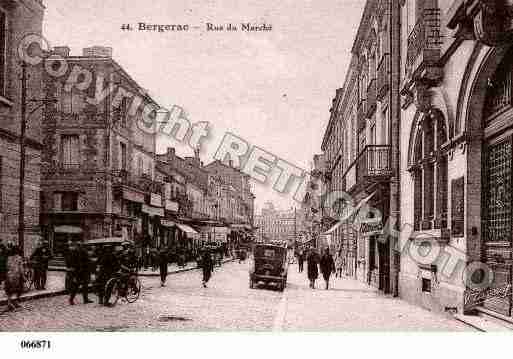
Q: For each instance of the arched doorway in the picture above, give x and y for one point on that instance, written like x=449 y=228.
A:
x=497 y=163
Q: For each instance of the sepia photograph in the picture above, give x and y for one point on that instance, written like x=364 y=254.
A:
x=335 y=166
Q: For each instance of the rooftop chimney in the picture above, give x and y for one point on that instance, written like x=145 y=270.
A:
x=61 y=51
x=97 y=51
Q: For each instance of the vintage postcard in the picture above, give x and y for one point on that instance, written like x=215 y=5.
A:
x=271 y=166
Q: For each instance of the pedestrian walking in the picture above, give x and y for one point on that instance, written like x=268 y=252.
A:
x=313 y=270
x=108 y=266
x=39 y=260
x=300 y=260
x=3 y=262
x=327 y=266
x=207 y=265
x=339 y=264
x=78 y=266
x=163 y=260
x=14 y=277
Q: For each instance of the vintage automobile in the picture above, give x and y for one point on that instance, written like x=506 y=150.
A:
x=270 y=265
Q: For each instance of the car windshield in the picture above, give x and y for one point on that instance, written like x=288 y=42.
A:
x=269 y=252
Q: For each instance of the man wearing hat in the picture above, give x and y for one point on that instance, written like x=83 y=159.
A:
x=40 y=259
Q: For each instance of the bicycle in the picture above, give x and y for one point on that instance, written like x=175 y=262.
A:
x=123 y=285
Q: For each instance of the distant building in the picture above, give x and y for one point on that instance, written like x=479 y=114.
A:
x=274 y=224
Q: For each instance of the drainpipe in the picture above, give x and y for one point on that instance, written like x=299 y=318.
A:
x=394 y=136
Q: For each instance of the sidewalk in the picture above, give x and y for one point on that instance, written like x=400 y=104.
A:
x=55 y=281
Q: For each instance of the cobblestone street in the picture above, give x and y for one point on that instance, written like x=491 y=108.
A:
x=228 y=304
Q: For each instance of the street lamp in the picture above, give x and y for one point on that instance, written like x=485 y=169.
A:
x=42 y=102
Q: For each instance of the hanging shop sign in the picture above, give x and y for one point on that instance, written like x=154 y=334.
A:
x=371 y=228
x=171 y=205
x=155 y=200
x=152 y=211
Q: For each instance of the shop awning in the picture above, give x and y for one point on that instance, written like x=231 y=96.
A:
x=67 y=229
x=186 y=228
x=349 y=217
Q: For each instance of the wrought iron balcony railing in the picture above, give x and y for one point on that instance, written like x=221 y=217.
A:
x=371 y=98
x=383 y=76
x=374 y=161
x=424 y=42
x=371 y=164
x=143 y=183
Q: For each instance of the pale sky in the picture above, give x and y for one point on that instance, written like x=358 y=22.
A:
x=274 y=89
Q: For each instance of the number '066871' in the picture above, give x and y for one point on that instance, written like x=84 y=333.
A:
x=35 y=344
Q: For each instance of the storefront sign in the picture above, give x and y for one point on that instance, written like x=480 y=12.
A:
x=133 y=196
x=156 y=200
x=171 y=205
x=371 y=228
x=153 y=211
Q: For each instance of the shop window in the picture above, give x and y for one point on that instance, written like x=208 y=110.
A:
x=429 y=171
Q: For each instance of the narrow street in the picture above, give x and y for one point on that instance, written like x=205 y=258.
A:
x=228 y=304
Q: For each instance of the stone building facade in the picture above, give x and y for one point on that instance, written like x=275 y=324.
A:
x=17 y=20
x=456 y=150
x=361 y=151
x=278 y=225
x=98 y=173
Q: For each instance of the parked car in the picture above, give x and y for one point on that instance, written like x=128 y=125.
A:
x=270 y=265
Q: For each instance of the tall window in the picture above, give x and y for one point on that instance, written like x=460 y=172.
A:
x=70 y=149
x=3 y=40
x=429 y=173
x=69 y=201
x=123 y=155
x=123 y=109
x=140 y=165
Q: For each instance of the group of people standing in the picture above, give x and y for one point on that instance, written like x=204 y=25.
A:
x=315 y=263
x=13 y=270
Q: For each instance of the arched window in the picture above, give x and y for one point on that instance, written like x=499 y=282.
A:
x=429 y=171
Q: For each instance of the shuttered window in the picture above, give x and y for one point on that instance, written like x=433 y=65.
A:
x=70 y=148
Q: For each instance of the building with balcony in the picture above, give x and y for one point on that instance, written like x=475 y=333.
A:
x=360 y=146
x=98 y=174
x=456 y=120
x=17 y=20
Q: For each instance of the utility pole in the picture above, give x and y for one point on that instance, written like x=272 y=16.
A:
x=21 y=203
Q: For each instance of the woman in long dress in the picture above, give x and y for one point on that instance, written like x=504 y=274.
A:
x=15 y=278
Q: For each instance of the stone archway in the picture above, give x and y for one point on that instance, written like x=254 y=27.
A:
x=481 y=148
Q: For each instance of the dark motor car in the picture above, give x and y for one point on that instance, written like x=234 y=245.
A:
x=270 y=265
